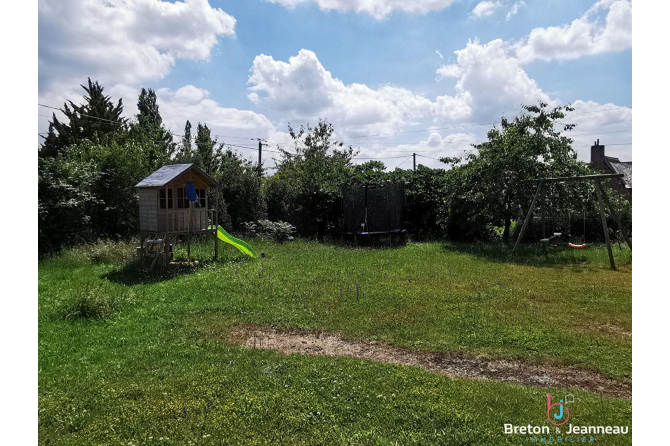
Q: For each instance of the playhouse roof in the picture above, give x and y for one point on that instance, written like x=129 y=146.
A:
x=168 y=173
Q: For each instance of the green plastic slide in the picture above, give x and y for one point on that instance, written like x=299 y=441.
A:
x=239 y=244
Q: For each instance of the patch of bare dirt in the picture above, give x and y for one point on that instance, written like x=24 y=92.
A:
x=607 y=329
x=454 y=365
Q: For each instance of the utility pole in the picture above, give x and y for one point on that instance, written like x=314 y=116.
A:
x=414 y=155
x=260 y=151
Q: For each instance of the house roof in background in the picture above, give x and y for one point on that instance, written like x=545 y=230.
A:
x=626 y=168
x=168 y=173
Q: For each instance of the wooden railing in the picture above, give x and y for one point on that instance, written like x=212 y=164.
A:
x=177 y=220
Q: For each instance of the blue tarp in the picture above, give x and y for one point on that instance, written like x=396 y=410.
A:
x=191 y=194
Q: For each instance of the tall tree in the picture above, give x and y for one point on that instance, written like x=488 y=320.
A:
x=489 y=186
x=207 y=154
x=185 y=153
x=150 y=127
x=96 y=117
x=307 y=184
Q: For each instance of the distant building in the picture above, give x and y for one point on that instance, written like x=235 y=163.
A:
x=609 y=164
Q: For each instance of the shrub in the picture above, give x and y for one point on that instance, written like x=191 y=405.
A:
x=279 y=231
x=106 y=251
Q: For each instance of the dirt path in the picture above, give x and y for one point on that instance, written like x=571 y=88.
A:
x=450 y=364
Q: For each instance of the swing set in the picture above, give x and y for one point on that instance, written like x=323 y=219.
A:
x=602 y=201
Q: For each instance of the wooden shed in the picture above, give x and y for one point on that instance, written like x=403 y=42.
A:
x=166 y=212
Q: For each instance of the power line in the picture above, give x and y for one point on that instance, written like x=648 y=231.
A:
x=376 y=158
x=84 y=114
x=282 y=149
x=424 y=156
x=116 y=122
x=398 y=166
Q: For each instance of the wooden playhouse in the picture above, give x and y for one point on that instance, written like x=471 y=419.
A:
x=167 y=214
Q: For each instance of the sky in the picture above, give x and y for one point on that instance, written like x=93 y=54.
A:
x=394 y=77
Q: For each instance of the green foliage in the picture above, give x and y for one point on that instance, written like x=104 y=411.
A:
x=424 y=192
x=424 y=198
x=185 y=151
x=308 y=182
x=489 y=187
x=97 y=117
x=88 y=192
x=157 y=139
x=278 y=232
x=88 y=168
x=241 y=186
x=206 y=155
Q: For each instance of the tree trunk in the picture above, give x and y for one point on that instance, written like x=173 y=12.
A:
x=508 y=221
x=506 y=234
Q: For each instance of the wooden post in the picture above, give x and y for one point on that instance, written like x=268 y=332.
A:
x=216 y=227
x=188 y=236
x=143 y=237
x=618 y=221
x=166 y=249
x=604 y=222
x=530 y=212
x=544 y=214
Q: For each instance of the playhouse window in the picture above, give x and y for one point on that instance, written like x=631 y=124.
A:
x=202 y=195
x=182 y=201
x=166 y=203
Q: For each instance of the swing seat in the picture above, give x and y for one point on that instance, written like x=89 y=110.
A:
x=572 y=245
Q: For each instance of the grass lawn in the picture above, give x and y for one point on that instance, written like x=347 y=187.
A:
x=147 y=365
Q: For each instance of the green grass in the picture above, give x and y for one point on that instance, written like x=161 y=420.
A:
x=144 y=360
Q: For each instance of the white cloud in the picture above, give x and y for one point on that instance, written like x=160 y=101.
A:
x=514 y=10
x=489 y=82
x=585 y=36
x=194 y=104
x=303 y=89
x=378 y=9
x=123 y=41
x=239 y=128
x=436 y=146
x=485 y=9
x=608 y=122
x=428 y=150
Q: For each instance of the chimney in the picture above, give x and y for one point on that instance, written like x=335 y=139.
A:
x=598 y=155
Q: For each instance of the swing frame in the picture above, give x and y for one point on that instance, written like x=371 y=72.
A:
x=602 y=200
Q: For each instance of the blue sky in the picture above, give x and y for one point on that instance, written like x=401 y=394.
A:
x=368 y=66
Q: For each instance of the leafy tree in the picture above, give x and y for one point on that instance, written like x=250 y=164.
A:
x=241 y=187
x=96 y=117
x=489 y=187
x=424 y=198
x=308 y=181
x=370 y=172
x=88 y=192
